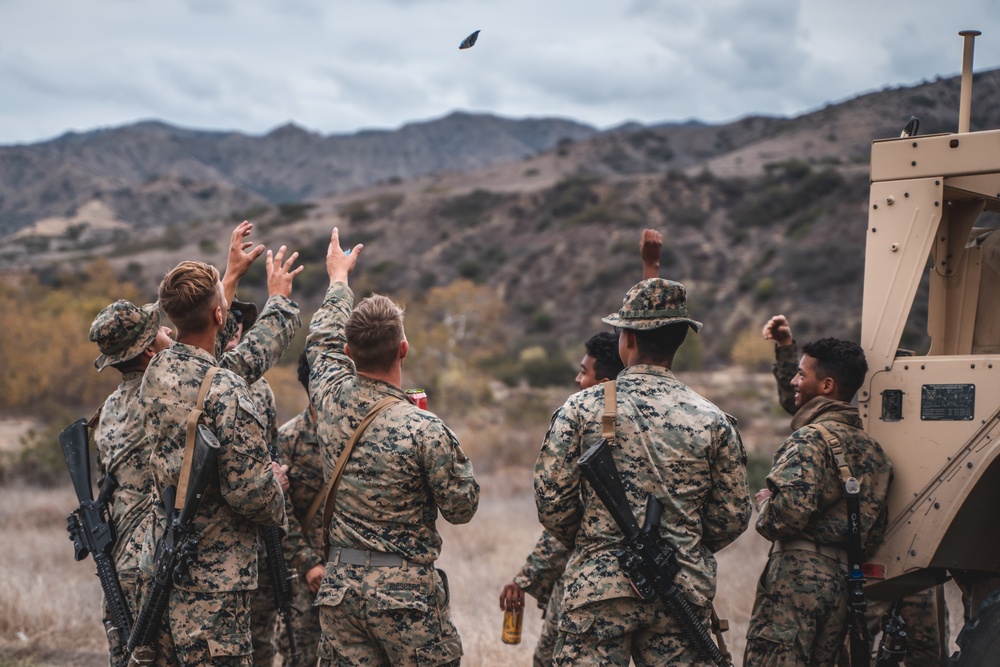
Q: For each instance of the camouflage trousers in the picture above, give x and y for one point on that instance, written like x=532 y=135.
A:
x=201 y=628
x=382 y=616
x=799 y=613
x=611 y=632
x=550 y=628
x=262 y=614
x=305 y=626
x=926 y=617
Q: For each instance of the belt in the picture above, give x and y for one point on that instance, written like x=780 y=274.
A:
x=345 y=556
x=837 y=554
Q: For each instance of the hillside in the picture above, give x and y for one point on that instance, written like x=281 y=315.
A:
x=761 y=215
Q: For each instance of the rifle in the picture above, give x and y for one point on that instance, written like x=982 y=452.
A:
x=178 y=546
x=860 y=639
x=92 y=531
x=649 y=563
x=280 y=578
x=892 y=646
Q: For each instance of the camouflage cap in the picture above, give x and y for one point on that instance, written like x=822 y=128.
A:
x=123 y=330
x=245 y=312
x=652 y=304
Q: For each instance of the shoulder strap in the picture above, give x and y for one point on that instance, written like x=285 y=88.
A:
x=192 y=428
x=329 y=495
x=610 y=411
x=833 y=442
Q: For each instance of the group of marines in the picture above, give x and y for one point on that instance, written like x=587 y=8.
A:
x=364 y=472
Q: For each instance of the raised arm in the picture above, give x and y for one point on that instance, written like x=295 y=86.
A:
x=239 y=260
x=786 y=359
x=649 y=250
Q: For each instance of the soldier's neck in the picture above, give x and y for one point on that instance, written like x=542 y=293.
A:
x=394 y=376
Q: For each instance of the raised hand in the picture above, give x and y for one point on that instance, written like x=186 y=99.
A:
x=280 y=272
x=779 y=330
x=339 y=264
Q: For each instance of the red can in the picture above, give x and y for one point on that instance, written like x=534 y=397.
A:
x=419 y=397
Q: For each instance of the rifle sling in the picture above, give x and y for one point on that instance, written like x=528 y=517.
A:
x=192 y=431
x=329 y=495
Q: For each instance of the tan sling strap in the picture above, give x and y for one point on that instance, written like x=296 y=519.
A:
x=192 y=429
x=610 y=409
x=833 y=442
x=718 y=625
x=329 y=495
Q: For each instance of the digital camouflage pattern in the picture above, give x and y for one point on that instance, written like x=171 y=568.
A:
x=122 y=330
x=925 y=613
x=410 y=466
x=211 y=628
x=793 y=619
x=670 y=442
x=541 y=578
x=387 y=616
x=301 y=452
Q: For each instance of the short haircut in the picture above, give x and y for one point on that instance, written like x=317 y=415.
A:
x=603 y=347
x=841 y=360
x=189 y=294
x=374 y=331
x=661 y=344
x=303 y=370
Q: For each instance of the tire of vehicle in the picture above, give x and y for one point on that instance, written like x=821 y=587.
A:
x=979 y=641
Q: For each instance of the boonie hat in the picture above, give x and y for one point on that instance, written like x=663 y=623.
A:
x=123 y=330
x=652 y=304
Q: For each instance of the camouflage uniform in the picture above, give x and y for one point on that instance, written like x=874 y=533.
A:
x=925 y=613
x=541 y=577
x=670 y=443
x=208 y=620
x=800 y=611
x=406 y=467
x=300 y=451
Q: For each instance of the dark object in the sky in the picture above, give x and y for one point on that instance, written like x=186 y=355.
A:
x=469 y=41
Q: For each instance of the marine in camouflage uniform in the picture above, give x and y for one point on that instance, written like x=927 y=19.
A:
x=382 y=600
x=670 y=442
x=800 y=612
x=128 y=337
x=301 y=452
x=925 y=613
x=208 y=620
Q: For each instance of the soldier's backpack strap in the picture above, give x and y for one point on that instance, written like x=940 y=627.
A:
x=833 y=442
x=329 y=495
x=192 y=428
x=610 y=411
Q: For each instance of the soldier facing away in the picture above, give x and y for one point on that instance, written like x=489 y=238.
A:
x=207 y=620
x=800 y=613
x=382 y=600
x=670 y=443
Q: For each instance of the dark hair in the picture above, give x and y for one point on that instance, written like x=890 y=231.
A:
x=841 y=360
x=188 y=294
x=661 y=344
x=303 y=370
x=374 y=331
x=603 y=347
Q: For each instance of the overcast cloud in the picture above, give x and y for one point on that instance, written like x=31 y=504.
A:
x=339 y=66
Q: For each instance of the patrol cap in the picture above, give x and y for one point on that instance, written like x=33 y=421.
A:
x=651 y=304
x=245 y=312
x=123 y=330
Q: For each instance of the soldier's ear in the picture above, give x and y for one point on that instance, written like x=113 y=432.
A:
x=347 y=350
x=828 y=387
x=404 y=348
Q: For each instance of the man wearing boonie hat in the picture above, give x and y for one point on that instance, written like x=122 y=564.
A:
x=128 y=337
x=670 y=443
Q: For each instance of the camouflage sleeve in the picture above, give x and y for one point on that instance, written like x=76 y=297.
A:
x=449 y=472
x=325 y=345
x=726 y=513
x=246 y=480
x=557 y=478
x=543 y=567
x=786 y=365
x=795 y=481
x=266 y=341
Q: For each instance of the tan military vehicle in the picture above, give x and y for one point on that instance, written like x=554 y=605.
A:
x=938 y=416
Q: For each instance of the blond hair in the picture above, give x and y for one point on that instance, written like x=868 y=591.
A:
x=374 y=331
x=189 y=294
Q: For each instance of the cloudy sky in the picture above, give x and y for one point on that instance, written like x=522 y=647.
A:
x=336 y=66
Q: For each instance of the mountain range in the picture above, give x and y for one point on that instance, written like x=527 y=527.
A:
x=760 y=215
